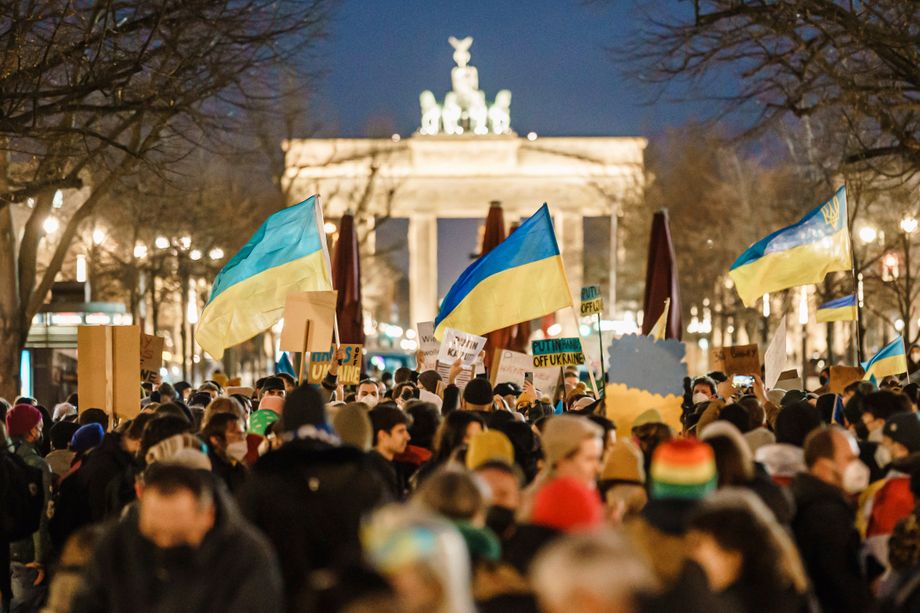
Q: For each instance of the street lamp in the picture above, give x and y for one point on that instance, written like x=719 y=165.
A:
x=868 y=234
x=99 y=236
x=909 y=224
x=194 y=255
x=140 y=250
x=216 y=253
x=51 y=225
x=161 y=242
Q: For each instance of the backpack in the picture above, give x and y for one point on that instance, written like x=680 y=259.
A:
x=21 y=490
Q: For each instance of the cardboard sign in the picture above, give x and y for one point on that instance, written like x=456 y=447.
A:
x=151 y=348
x=318 y=308
x=509 y=367
x=737 y=360
x=789 y=380
x=349 y=371
x=107 y=376
x=427 y=343
x=557 y=352
x=591 y=300
x=239 y=389
x=842 y=376
x=546 y=380
x=460 y=346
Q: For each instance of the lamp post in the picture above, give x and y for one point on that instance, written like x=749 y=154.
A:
x=908 y=226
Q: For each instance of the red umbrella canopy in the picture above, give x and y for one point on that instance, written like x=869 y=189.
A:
x=493 y=234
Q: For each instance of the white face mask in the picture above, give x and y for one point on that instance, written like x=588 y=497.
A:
x=237 y=450
x=700 y=397
x=855 y=477
x=370 y=400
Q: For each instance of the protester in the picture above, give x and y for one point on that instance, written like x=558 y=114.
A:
x=226 y=441
x=391 y=436
x=823 y=524
x=184 y=548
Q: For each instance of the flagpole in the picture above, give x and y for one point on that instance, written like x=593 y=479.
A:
x=859 y=350
x=321 y=227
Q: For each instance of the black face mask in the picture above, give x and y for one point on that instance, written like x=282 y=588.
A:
x=179 y=555
x=500 y=520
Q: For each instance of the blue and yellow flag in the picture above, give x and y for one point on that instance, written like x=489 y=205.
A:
x=521 y=279
x=800 y=254
x=839 y=309
x=890 y=360
x=287 y=254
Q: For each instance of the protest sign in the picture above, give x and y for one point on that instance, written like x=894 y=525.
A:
x=591 y=300
x=774 y=358
x=509 y=367
x=242 y=390
x=151 y=348
x=736 y=360
x=427 y=343
x=546 y=380
x=465 y=376
x=557 y=352
x=349 y=370
x=842 y=376
x=461 y=346
x=789 y=380
x=107 y=376
x=317 y=308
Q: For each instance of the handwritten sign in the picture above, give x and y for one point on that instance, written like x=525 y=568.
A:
x=465 y=376
x=546 y=380
x=509 y=366
x=427 y=343
x=349 y=371
x=736 y=360
x=591 y=300
x=557 y=352
x=151 y=357
x=460 y=346
x=317 y=308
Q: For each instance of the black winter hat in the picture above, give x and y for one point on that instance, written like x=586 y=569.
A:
x=304 y=406
x=478 y=391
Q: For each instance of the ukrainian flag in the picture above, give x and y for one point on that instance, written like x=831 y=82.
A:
x=800 y=254
x=521 y=279
x=839 y=309
x=891 y=360
x=287 y=254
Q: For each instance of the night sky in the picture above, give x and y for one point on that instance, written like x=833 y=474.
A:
x=552 y=54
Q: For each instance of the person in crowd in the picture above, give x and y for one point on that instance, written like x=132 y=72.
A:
x=886 y=502
x=226 y=441
x=269 y=412
x=572 y=447
x=682 y=474
x=425 y=559
x=877 y=409
x=61 y=456
x=353 y=425
x=186 y=548
x=454 y=433
x=622 y=483
x=368 y=393
x=591 y=573
x=784 y=459
x=224 y=405
x=746 y=555
x=391 y=436
x=504 y=482
x=823 y=523
x=309 y=496
x=67 y=580
x=29 y=556
x=703 y=389
x=94 y=416
x=736 y=468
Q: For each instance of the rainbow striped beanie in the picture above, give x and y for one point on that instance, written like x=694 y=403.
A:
x=683 y=469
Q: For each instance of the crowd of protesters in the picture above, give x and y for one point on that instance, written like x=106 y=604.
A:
x=418 y=496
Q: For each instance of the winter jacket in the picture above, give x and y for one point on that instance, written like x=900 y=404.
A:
x=100 y=467
x=234 y=569
x=782 y=461
x=891 y=502
x=309 y=497
x=829 y=545
x=658 y=533
x=36 y=548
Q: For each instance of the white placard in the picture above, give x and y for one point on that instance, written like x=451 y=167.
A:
x=427 y=343
x=460 y=346
x=774 y=358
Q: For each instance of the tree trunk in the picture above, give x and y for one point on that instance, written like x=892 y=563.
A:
x=11 y=335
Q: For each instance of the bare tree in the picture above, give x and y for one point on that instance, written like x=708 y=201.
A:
x=91 y=92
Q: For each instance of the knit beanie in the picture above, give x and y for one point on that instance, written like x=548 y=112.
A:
x=728 y=430
x=169 y=447
x=682 y=469
x=478 y=391
x=904 y=428
x=624 y=464
x=272 y=403
x=651 y=416
x=86 y=437
x=487 y=446
x=353 y=425
x=563 y=435
x=568 y=505
x=21 y=419
x=759 y=437
x=304 y=407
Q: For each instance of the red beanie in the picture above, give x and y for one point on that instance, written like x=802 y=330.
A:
x=568 y=505
x=21 y=419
